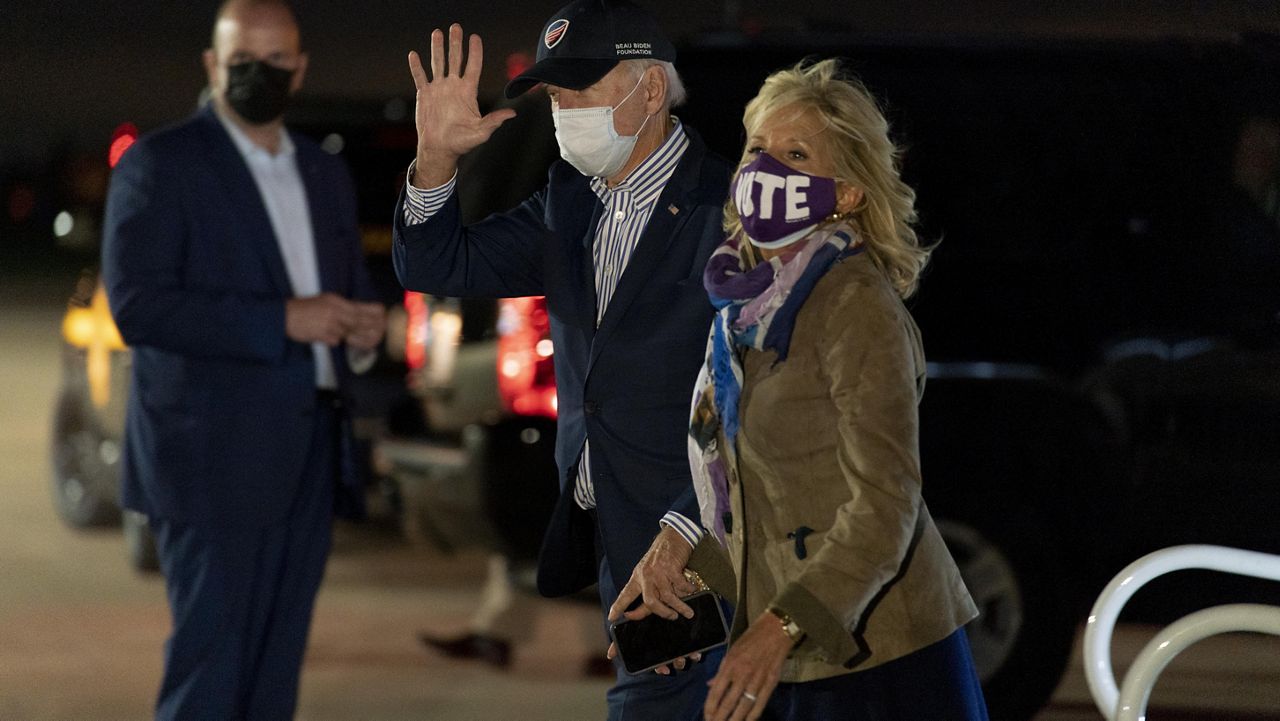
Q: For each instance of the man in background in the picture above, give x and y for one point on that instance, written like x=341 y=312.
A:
x=231 y=260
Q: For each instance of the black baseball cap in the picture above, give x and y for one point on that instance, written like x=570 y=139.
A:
x=585 y=39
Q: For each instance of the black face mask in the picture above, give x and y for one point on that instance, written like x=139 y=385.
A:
x=258 y=91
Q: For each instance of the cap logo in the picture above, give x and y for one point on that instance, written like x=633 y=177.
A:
x=555 y=33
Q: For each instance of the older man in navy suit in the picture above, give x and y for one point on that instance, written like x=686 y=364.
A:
x=231 y=259
x=616 y=241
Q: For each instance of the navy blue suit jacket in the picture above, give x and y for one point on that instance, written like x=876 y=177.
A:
x=628 y=383
x=219 y=415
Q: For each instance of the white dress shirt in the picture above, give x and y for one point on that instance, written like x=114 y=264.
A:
x=280 y=186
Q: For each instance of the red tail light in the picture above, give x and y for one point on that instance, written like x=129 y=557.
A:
x=526 y=374
x=416 y=330
x=518 y=63
x=121 y=139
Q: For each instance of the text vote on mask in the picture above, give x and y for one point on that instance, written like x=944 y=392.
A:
x=795 y=197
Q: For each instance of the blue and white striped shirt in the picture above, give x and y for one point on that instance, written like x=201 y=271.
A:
x=627 y=209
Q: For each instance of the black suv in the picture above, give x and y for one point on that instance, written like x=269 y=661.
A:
x=1099 y=316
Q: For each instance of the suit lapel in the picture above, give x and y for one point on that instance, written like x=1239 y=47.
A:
x=328 y=253
x=670 y=212
x=587 y=274
x=239 y=184
x=575 y=219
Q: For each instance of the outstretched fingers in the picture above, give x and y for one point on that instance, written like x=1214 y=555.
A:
x=455 y=51
x=416 y=70
x=475 y=59
x=452 y=63
x=496 y=118
x=437 y=54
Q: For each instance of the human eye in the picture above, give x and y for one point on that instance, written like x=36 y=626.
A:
x=797 y=155
x=754 y=150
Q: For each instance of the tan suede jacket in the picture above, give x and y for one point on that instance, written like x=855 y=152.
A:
x=828 y=523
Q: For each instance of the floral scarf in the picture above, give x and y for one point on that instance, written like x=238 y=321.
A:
x=756 y=308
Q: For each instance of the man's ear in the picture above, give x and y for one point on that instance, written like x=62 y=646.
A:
x=655 y=89
x=299 y=74
x=848 y=197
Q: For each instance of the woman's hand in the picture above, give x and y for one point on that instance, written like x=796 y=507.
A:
x=749 y=672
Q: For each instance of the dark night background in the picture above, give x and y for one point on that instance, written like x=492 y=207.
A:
x=71 y=71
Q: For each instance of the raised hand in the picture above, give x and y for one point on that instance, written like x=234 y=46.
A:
x=447 y=113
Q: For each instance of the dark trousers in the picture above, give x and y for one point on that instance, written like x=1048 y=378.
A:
x=241 y=600
x=936 y=683
x=649 y=696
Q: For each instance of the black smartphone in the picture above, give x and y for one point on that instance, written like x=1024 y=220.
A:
x=653 y=641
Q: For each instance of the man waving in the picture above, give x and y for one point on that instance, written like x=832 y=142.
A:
x=616 y=241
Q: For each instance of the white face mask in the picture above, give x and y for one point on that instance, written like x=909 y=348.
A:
x=588 y=140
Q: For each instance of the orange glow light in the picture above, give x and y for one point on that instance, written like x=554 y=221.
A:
x=93 y=329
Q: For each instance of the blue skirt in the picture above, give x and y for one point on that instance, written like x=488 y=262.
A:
x=936 y=683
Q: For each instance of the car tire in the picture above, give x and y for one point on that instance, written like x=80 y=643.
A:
x=140 y=543
x=1022 y=639
x=85 y=463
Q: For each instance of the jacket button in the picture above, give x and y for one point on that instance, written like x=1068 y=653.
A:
x=591 y=407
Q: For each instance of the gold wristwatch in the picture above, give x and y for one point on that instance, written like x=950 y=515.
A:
x=789 y=626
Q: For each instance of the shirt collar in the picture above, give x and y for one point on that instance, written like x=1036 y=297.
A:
x=653 y=172
x=247 y=147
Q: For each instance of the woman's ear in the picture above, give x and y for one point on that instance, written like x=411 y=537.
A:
x=848 y=197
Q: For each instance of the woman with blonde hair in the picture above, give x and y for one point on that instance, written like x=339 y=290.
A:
x=803 y=437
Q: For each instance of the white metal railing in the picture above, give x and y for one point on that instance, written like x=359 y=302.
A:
x=1130 y=703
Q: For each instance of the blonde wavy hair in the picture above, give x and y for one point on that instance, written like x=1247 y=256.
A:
x=857 y=137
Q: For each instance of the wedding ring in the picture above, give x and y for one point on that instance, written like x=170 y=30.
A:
x=749 y=696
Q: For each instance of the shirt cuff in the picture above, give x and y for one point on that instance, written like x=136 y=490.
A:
x=688 y=530
x=419 y=204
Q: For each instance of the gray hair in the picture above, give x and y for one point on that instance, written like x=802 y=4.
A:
x=676 y=93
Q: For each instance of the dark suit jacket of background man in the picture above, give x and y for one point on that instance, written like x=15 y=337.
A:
x=627 y=383
x=218 y=422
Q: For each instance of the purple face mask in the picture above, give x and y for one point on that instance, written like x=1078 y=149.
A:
x=777 y=204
